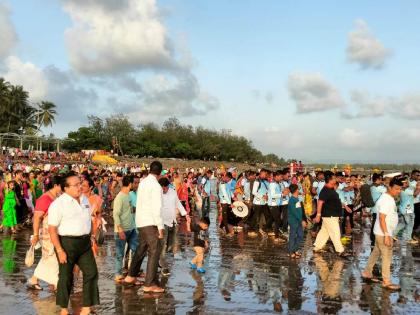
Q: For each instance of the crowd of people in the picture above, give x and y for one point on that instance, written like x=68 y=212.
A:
x=69 y=207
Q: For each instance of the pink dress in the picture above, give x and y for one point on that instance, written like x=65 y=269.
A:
x=2 y=186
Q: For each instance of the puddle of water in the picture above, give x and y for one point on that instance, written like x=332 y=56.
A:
x=244 y=276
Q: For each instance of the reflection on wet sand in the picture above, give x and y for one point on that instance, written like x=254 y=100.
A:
x=244 y=276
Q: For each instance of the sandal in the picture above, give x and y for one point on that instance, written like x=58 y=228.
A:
x=153 y=289
x=133 y=283
x=370 y=279
x=119 y=279
x=391 y=286
x=33 y=286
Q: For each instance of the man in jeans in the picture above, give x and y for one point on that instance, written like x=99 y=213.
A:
x=124 y=226
x=150 y=224
x=406 y=209
x=384 y=230
x=329 y=208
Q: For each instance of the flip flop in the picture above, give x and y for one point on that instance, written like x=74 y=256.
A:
x=155 y=290
x=370 y=279
x=132 y=283
x=33 y=286
x=391 y=287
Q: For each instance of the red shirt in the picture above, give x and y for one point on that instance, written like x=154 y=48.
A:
x=43 y=203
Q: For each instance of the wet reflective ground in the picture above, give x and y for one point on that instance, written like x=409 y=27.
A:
x=244 y=276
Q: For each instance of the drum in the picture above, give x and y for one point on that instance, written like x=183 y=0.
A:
x=240 y=209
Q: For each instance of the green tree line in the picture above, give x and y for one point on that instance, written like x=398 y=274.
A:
x=172 y=139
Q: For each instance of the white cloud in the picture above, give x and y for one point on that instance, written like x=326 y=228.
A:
x=28 y=75
x=117 y=36
x=351 y=138
x=365 y=49
x=364 y=105
x=8 y=36
x=312 y=93
x=175 y=95
x=408 y=106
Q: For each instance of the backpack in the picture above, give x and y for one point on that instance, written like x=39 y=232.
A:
x=366 y=196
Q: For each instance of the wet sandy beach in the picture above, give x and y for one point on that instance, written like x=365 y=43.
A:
x=244 y=276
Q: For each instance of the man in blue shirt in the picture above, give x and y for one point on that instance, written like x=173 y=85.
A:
x=205 y=189
x=295 y=222
x=260 y=194
x=225 y=203
x=284 y=184
x=274 y=201
x=406 y=213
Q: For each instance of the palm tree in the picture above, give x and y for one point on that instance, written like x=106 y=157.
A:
x=4 y=95
x=17 y=108
x=45 y=115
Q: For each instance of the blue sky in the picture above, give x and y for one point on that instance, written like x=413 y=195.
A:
x=313 y=80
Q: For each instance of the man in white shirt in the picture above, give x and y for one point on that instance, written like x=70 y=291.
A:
x=415 y=183
x=150 y=224
x=170 y=207
x=384 y=230
x=70 y=225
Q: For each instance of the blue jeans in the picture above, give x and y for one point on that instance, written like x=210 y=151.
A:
x=131 y=239
x=295 y=237
x=405 y=223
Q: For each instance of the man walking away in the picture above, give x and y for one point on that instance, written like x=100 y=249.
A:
x=150 y=224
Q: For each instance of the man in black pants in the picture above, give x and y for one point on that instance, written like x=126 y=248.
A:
x=285 y=199
x=205 y=187
x=70 y=225
x=260 y=209
x=274 y=201
x=21 y=207
x=150 y=224
x=415 y=184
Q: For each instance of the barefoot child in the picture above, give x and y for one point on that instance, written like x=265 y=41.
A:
x=200 y=242
x=9 y=207
x=295 y=222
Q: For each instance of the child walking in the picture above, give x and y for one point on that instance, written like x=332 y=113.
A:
x=295 y=222
x=9 y=207
x=201 y=243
